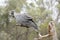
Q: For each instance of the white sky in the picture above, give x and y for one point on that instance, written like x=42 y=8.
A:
x=2 y=3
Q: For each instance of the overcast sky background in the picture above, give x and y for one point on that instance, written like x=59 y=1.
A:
x=2 y=3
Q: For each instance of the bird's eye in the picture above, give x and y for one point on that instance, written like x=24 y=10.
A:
x=12 y=12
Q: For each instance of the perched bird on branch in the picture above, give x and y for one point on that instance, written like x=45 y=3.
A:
x=24 y=20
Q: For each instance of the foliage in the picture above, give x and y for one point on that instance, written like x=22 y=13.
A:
x=8 y=30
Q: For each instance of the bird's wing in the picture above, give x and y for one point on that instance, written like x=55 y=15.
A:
x=28 y=16
x=32 y=23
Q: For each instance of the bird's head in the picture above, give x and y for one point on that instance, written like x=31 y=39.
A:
x=12 y=13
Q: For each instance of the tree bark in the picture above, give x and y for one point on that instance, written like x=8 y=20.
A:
x=51 y=32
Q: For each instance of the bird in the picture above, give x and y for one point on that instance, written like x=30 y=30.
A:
x=24 y=20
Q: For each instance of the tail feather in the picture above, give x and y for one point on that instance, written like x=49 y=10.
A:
x=34 y=25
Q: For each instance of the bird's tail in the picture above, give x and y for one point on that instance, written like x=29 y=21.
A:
x=35 y=27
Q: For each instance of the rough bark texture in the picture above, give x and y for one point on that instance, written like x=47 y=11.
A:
x=51 y=32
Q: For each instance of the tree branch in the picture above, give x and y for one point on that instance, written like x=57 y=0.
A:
x=51 y=32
